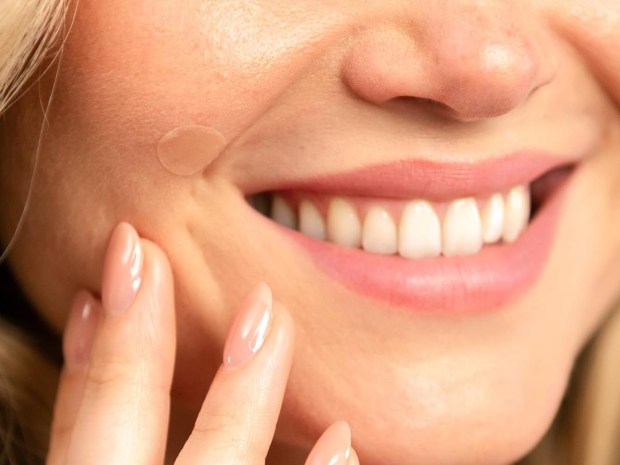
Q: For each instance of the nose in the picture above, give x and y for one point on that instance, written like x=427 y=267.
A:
x=475 y=60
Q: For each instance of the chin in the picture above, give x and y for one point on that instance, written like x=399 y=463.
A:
x=404 y=416
x=490 y=438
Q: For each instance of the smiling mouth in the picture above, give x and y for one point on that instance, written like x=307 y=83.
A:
x=413 y=229
x=428 y=237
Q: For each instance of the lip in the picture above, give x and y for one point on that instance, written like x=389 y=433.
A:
x=480 y=283
x=431 y=180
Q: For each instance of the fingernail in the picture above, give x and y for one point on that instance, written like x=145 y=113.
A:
x=250 y=329
x=333 y=447
x=122 y=271
x=80 y=331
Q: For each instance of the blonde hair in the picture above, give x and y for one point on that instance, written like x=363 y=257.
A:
x=29 y=31
x=27 y=386
x=586 y=430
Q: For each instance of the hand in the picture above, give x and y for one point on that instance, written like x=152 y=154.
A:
x=114 y=395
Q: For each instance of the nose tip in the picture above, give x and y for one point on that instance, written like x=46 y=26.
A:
x=474 y=73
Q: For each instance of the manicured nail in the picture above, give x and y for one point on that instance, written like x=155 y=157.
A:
x=333 y=447
x=250 y=329
x=80 y=331
x=122 y=271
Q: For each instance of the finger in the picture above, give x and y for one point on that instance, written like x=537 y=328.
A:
x=77 y=342
x=353 y=459
x=124 y=411
x=333 y=447
x=238 y=417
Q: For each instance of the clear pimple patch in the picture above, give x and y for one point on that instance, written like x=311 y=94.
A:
x=188 y=150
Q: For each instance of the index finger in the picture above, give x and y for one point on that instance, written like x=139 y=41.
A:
x=238 y=418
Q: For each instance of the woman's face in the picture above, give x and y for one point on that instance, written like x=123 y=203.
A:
x=462 y=358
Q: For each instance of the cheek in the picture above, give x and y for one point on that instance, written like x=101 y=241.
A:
x=593 y=28
x=130 y=73
x=607 y=281
x=131 y=76
x=133 y=72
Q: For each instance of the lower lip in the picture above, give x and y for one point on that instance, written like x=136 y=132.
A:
x=480 y=283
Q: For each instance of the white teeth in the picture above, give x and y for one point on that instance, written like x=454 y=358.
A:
x=518 y=205
x=311 y=222
x=343 y=224
x=493 y=219
x=462 y=229
x=379 y=234
x=420 y=231
x=282 y=213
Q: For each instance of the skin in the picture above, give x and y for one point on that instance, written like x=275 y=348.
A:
x=271 y=76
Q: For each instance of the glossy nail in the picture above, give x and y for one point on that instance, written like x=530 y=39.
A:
x=122 y=271
x=250 y=328
x=333 y=447
x=80 y=331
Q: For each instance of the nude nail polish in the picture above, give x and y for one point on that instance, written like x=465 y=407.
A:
x=333 y=447
x=122 y=271
x=250 y=328
x=80 y=331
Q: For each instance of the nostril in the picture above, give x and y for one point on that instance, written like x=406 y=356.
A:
x=383 y=65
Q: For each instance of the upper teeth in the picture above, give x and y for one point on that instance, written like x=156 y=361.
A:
x=421 y=232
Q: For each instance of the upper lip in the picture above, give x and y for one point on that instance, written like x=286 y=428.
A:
x=434 y=181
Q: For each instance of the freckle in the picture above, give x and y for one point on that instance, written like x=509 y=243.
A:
x=188 y=150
